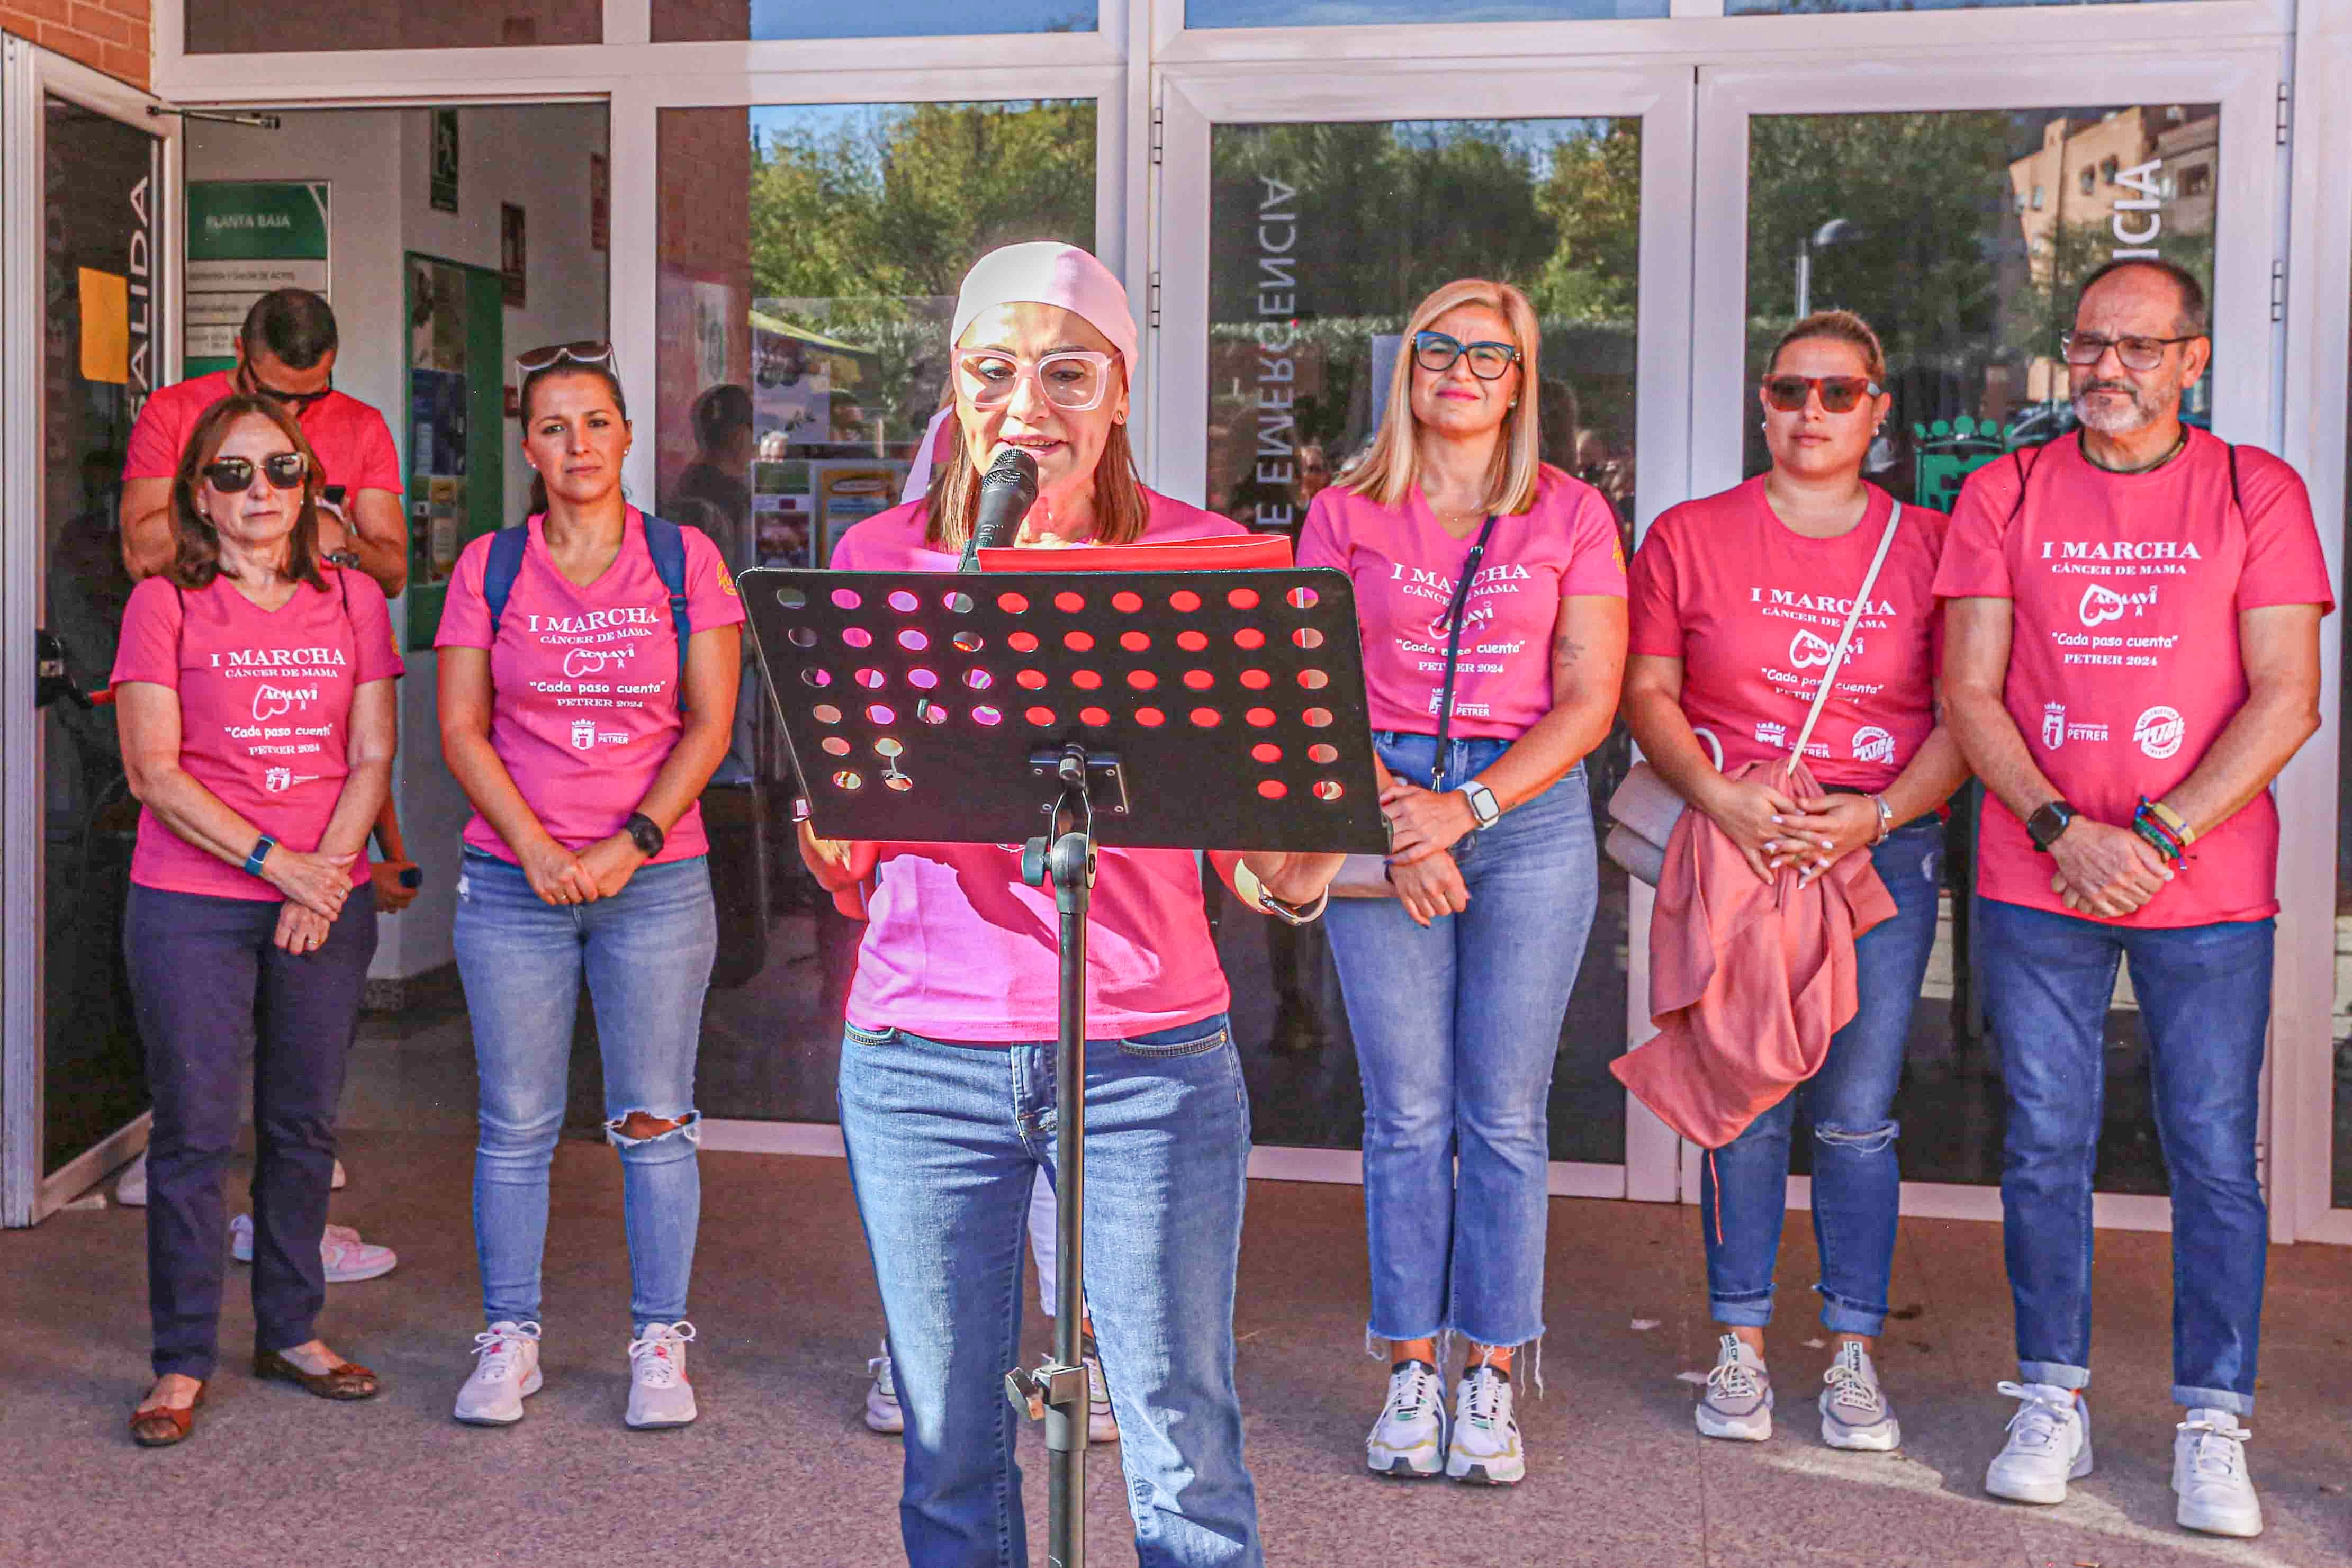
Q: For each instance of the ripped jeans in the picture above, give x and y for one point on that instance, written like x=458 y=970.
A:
x=645 y=953
x=1857 y=1178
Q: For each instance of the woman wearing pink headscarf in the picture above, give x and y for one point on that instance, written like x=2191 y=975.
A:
x=947 y=1087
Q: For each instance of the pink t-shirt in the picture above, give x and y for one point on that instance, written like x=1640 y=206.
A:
x=353 y=447
x=2124 y=660
x=961 y=949
x=264 y=711
x=586 y=681
x=1754 y=611
x=1405 y=566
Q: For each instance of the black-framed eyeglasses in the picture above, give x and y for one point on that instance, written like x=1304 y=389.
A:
x=1436 y=351
x=2137 y=353
x=582 y=351
x=234 y=476
x=300 y=403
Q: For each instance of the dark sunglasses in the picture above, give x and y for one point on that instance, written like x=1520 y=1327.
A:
x=1436 y=351
x=300 y=401
x=234 y=476
x=584 y=350
x=1789 y=394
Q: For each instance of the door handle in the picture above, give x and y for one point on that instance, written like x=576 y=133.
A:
x=53 y=672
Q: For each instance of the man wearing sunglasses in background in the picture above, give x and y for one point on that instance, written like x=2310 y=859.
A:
x=2132 y=655
x=286 y=351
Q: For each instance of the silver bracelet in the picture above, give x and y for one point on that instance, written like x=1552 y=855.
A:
x=1885 y=819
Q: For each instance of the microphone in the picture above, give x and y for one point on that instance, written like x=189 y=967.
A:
x=1007 y=491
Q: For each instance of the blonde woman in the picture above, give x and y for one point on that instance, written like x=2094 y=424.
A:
x=1492 y=593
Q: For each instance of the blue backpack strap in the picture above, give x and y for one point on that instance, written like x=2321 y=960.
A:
x=666 y=541
x=499 y=571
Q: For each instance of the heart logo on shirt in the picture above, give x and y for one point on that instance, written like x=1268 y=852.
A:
x=1806 y=649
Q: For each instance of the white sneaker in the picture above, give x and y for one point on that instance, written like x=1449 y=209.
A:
x=1486 y=1449
x=660 y=1394
x=506 y=1369
x=882 y=1412
x=338 y=1181
x=1102 y=1425
x=131 y=1191
x=347 y=1258
x=2209 y=1471
x=1855 y=1413
x=1409 y=1439
x=2049 y=1444
x=1737 y=1403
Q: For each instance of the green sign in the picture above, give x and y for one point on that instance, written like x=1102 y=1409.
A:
x=246 y=237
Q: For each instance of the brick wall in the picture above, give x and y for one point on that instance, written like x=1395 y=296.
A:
x=113 y=36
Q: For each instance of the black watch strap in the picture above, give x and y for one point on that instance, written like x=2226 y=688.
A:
x=645 y=832
x=2046 y=824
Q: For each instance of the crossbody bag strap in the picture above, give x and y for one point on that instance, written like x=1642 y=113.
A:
x=1837 y=658
x=1455 y=614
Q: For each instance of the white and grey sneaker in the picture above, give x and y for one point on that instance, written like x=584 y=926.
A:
x=2049 y=1444
x=345 y=1257
x=660 y=1394
x=882 y=1412
x=131 y=1191
x=1855 y=1412
x=1486 y=1450
x=1102 y=1425
x=1737 y=1403
x=1409 y=1439
x=506 y=1369
x=2209 y=1472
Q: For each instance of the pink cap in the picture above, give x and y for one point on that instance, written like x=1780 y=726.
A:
x=1047 y=272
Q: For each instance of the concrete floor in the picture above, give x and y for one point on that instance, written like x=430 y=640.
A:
x=780 y=1471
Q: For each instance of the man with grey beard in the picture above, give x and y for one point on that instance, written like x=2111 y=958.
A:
x=2132 y=654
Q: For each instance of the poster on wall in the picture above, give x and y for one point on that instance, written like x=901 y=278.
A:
x=514 y=255
x=452 y=423
x=246 y=237
x=444 y=159
x=848 y=492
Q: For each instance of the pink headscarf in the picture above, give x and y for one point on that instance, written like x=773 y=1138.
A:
x=1047 y=272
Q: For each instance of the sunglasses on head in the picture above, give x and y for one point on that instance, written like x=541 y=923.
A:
x=586 y=351
x=1789 y=394
x=300 y=401
x=234 y=476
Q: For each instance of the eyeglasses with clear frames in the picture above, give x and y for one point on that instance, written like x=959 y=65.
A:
x=2137 y=353
x=1072 y=380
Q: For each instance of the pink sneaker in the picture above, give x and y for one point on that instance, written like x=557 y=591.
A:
x=348 y=1259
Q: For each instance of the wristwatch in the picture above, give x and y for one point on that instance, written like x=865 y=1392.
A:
x=644 y=833
x=2046 y=824
x=1252 y=891
x=1483 y=807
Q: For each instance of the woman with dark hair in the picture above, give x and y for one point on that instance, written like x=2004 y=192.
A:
x=253 y=693
x=589 y=659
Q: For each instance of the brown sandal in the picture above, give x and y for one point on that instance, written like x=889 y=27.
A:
x=161 y=1425
x=342 y=1381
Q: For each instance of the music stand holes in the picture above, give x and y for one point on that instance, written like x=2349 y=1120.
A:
x=1012 y=604
x=1273 y=789
x=848 y=781
x=967 y=642
x=904 y=603
x=923 y=679
x=1304 y=598
x=1126 y=603
x=1322 y=754
x=957 y=604
x=1078 y=642
x=1316 y=718
x=1313 y=680
x=1031 y=679
x=1243 y=598
x=1249 y=638
x=1329 y=789
x=1134 y=642
x=1041 y=717
x=791 y=598
x=1206 y=718
x=1069 y=604
x=872 y=680
x=1260 y=718
x=1086 y=679
x=1093 y=717
x=845 y=599
x=1191 y=642
x=984 y=714
x=1266 y=752
x=979 y=680
x=912 y=640
x=1256 y=680
x=811 y=675
x=803 y=637
x=899 y=782
x=1150 y=718
x=826 y=713
x=1184 y=600
x=1199 y=679
x=834 y=746
x=1021 y=642
x=857 y=637
x=930 y=712
x=1307 y=636
x=888 y=746
x=1143 y=679
x=882 y=713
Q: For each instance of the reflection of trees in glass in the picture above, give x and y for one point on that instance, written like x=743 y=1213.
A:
x=2044 y=306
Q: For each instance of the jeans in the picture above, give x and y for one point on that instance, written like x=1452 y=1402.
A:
x=1857 y=1182
x=2205 y=999
x=645 y=953
x=1457 y=1029
x=946 y=1143
x=213 y=992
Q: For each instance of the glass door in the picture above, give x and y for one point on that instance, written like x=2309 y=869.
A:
x=1957 y=211
x=90 y=226
x=1301 y=218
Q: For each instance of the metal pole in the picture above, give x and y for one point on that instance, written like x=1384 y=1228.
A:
x=1804 y=277
x=1072 y=869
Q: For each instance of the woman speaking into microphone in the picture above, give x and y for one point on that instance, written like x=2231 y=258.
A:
x=947 y=1086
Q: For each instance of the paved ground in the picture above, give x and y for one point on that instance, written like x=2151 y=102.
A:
x=780 y=1472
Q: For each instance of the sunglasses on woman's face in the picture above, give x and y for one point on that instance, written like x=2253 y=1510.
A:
x=1789 y=394
x=1436 y=351
x=234 y=476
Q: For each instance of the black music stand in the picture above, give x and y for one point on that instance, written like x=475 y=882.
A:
x=1061 y=710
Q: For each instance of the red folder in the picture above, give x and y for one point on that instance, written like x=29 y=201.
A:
x=1224 y=553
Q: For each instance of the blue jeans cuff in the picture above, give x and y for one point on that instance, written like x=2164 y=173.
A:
x=1741 y=1311
x=2056 y=1373
x=2190 y=1398
x=1840 y=1316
